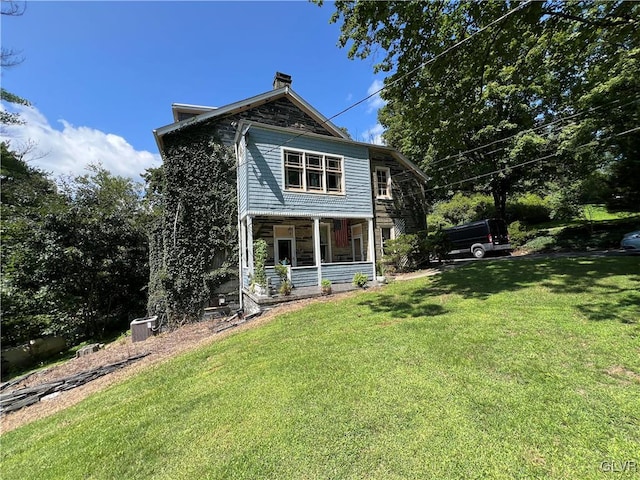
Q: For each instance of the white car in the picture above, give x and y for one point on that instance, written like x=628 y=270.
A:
x=631 y=242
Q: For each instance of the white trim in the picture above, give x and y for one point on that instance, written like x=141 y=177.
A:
x=371 y=244
x=253 y=102
x=397 y=156
x=355 y=237
x=316 y=248
x=387 y=171
x=293 y=213
x=392 y=235
x=327 y=225
x=305 y=187
x=276 y=253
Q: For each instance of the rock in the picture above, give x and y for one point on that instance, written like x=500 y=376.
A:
x=88 y=350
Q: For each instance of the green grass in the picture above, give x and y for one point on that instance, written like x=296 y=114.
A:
x=504 y=369
x=597 y=229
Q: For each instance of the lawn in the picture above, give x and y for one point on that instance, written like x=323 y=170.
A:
x=596 y=229
x=503 y=369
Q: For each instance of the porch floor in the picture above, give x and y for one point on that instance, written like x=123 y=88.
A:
x=299 y=293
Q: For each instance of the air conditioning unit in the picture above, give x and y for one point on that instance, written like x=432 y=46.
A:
x=143 y=328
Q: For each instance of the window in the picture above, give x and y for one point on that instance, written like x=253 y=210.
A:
x=293 y=170
x=312 y=172
x=383 y=182
x=387 y=234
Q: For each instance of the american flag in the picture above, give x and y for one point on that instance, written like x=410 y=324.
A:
x=341 y=232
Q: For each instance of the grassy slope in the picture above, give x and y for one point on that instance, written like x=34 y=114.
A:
x=494 y=370
x=597 y=229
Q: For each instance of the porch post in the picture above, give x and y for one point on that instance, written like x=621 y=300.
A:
x=316 y=248
x=371 y=240
x=250 y=243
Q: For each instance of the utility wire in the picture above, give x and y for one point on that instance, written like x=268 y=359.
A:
x=533 y=129
x=528 y=162
x=414 y=70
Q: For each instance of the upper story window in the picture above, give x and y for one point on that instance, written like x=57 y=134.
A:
x=312 y=172
x=383 y=182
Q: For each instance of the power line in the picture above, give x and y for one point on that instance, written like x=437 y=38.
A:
x=412 y=71
x=528 y=162
x=533 y=129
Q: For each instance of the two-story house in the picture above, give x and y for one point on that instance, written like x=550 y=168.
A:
x=324 y=203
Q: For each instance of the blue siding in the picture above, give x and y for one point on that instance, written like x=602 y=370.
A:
x=308 y=276
x=304 y=276
x=265 y=172
x=344 y=272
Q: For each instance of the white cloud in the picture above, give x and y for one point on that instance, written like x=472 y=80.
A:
x=374 y=135
x=376 y=102
x=70 y=150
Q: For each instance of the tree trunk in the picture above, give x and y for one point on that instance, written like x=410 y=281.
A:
x=500 y=200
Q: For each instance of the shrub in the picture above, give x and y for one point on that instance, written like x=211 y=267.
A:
x=518 y=235
x=437 y=245
x=529 y=208
x=564 y=203
x=539 y=244
x=259 y=262
x=360 y=280
x=282 y=271
x=285 y=288
x=400 y=253
x=462 y=209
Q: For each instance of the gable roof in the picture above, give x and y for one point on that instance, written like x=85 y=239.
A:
x=247 y=104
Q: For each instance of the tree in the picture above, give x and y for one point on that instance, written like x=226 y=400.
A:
x=8 y=56
x=475 y=114
x=27 y=196
x=75 y=258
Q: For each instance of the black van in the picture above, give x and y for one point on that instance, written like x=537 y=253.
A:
x=478 y=238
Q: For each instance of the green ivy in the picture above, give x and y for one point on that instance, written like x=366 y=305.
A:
x=194 y=239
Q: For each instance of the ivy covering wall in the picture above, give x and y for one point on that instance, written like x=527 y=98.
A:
x=194 y=238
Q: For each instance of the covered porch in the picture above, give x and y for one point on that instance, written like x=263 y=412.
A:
x=314 y=249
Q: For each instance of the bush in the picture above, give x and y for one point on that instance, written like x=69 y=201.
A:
x=285 y=288
x=539 y=244
x=360 y=280
x=282 y=271
x=259 y=262
x=462 y=209
x=518 y=235
x=437 y=245
x=529 y=208
x=564 y=204
x=400 y=253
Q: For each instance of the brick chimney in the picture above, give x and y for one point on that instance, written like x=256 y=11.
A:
x=281 y=80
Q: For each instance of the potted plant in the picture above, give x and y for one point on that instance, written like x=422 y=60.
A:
x=259 y=280
x=325 y=285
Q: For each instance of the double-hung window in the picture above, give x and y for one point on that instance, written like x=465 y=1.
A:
x=312 y=172
x=383 y=182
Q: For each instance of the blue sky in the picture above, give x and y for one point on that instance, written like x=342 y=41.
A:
x=102 y=75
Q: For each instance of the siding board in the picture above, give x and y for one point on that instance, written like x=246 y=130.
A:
x=265 y=176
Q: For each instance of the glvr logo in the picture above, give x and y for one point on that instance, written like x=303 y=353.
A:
x=627 y=466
